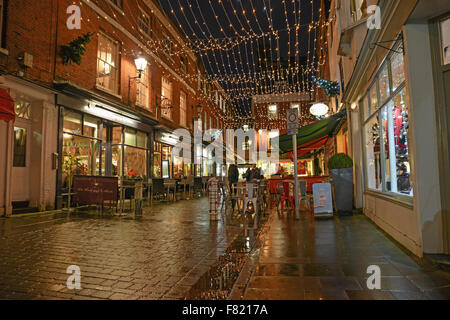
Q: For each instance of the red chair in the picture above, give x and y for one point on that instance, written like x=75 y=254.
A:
x=286 y=194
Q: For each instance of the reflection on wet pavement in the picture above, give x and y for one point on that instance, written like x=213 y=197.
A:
x=157 y=256
x=315 y=259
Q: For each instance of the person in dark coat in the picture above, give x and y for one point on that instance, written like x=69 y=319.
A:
x=233 y=178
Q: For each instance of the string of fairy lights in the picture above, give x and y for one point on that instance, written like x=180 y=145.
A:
x=239 y=45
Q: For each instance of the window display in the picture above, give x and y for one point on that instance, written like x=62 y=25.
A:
x=386 y=131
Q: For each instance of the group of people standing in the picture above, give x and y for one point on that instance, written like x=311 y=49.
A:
x=251 y=174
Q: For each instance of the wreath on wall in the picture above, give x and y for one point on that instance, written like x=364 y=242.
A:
x=75 y=50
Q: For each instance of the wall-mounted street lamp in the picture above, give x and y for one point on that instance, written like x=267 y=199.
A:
x=141 y=65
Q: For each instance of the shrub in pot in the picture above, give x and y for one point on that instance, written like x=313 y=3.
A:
x=341 y=168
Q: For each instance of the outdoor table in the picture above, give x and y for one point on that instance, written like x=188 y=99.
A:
x=171 y=185
x=183 y=183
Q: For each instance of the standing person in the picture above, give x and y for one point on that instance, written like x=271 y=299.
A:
x=233 y=178
x=254 y=173
x=247 y=175
x=212 y=189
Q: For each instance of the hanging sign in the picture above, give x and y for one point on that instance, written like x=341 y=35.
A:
x=292 y=121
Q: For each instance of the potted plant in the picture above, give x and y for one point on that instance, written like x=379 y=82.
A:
x=341 y=168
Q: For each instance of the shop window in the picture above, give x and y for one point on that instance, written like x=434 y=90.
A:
x=166 y=161
x=81 y=144
x=385 y=89
x=143 y=89
x=117 y=135
x=91 y=127
x=398 y=71
x=183 y=107
x=141 y=140
x=107 y=63
x=365 y=106
x=20 y=147
x=130 y=137
x=72 y=122
x=273 y=111
x=386 y=131
x=157 y=167
x=373 y=95
x=166 y=98
x=23 y=110
x=135 y=162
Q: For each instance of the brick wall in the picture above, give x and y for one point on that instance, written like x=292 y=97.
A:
x=39 y=28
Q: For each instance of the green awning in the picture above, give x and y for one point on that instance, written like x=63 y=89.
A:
x=312 y=132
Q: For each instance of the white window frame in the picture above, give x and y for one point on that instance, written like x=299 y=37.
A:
x=143 y=89
x=114 y=69
x=375 y=111
x=166 y=92
x=148 y=24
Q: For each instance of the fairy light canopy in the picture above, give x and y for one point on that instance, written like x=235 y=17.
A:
x=253 y=47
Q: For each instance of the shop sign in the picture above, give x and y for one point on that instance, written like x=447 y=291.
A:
x=90 y=190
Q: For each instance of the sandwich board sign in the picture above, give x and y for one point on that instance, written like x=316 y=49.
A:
x=292 y=121
x=323 y=200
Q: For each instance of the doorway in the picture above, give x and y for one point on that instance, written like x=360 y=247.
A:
x=440 y=42
x=21 y=165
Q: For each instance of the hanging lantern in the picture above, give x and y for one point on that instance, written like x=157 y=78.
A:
x=319 y=109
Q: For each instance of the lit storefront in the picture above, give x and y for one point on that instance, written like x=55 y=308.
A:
x=97 y=139
x=385 y=122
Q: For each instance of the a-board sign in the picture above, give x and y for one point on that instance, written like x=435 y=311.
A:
x=323 y=200
x=91 y=190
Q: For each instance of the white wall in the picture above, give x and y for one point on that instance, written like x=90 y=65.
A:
x=423 y=142
x=398 y=221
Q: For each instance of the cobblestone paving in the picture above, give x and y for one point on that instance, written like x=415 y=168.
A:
x=158 y=256
x=327 y=259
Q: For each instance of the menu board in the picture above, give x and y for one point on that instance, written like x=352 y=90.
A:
x=323 y=200
x=91 y=190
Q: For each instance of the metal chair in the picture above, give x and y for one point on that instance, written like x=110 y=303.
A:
x=157 y=189
x=302 y=194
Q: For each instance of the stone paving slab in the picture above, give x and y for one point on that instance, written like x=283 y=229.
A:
x=156 y=256
x=314 y=259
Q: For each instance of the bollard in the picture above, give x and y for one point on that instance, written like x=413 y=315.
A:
x=138 y=190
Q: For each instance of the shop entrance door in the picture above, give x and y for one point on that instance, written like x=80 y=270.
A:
x=21 y=164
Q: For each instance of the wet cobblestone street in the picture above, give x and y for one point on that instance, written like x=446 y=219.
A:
x=158 y=256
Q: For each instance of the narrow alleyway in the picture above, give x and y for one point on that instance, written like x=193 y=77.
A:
x=163 y=254
x=158 y=256
x=328 y=259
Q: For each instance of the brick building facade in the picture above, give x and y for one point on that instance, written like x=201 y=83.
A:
x=98 y=110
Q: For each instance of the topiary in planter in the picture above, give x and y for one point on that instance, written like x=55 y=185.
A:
x=341 y=167
x=340 y=161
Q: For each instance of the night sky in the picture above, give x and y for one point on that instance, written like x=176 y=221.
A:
x=237 y=69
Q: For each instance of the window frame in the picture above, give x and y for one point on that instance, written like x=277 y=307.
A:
x=146 y=86
x=170 y=99
x=116 y=67
x=376 y=111
x=140 y=21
